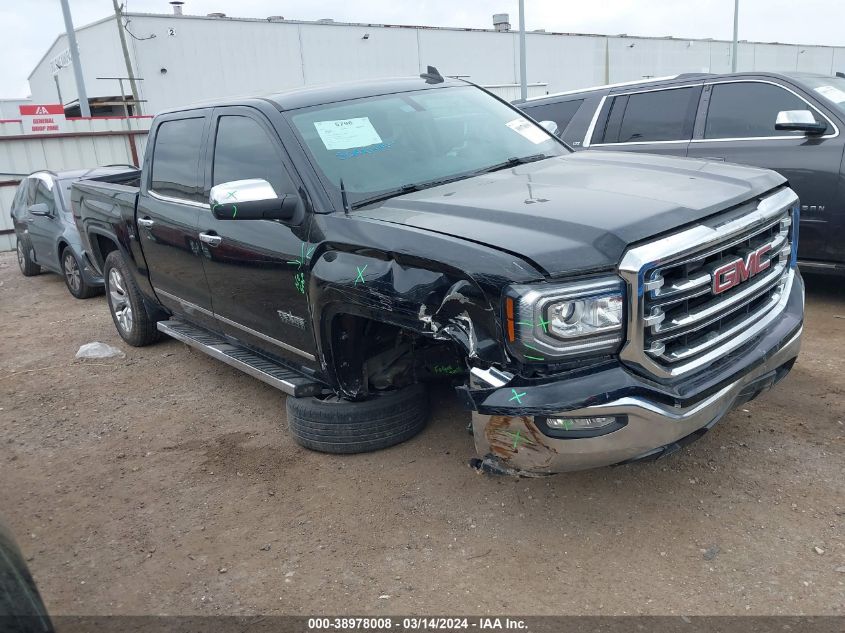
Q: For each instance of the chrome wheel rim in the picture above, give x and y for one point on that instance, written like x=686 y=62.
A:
x=72 y=273
x=119 y=300
x=21 y=257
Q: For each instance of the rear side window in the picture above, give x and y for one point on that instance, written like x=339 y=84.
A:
x=244 y=150
x=21 y=200
x=644 y=117
x=176 y=159
x=749 y=109
x=561 y=113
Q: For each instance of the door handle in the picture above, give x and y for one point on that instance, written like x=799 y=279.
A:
x=146 y=223
x=211 y=239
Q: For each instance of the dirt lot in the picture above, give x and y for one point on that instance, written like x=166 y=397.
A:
x=166 y=482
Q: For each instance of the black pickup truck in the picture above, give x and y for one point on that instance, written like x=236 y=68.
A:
x=350 y=244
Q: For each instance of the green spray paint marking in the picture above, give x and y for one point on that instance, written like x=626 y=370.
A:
x=517 y=438
x=299 y=282
x=517 y=396
x=567 y=424
x=529 y=346
x=234 y=211
x=299 y=262
x=232 y=195
x=542 y=323
x=447 y=370
x=360 y=276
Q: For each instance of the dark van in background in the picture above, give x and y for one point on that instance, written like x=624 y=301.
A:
x=790 y=122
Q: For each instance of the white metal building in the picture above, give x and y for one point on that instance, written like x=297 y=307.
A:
x=183 y=59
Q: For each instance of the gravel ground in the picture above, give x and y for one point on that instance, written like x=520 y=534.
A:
x=166 y=482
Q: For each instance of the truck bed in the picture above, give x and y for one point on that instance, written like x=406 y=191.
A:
x=104 y=205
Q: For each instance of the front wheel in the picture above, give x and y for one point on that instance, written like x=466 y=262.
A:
x=74 y=280
x=334 y=425
x=130 y=316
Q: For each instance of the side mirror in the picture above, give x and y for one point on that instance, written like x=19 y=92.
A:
x=40 y=209
x=253 y=199
x=551 y=127
x=799 y=121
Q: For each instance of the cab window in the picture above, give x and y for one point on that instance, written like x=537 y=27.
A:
x=243 y=150
x=176 y=159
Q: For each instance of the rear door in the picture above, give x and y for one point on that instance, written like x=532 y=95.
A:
x=740 y=128
x=43 y=230
x=257 y=269
x=657 y=121
x=169 y=205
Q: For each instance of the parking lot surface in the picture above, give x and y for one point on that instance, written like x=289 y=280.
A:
x=165 y=483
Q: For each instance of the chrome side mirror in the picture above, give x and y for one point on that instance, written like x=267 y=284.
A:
x=799 y=121
x=551 y=127
x=253 y=199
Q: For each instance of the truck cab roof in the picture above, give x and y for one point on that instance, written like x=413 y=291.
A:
x=295 y=98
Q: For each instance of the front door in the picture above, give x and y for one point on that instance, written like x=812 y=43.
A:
x=740 y=128
x=168 y=212
x=43 y=230
x=256 y=269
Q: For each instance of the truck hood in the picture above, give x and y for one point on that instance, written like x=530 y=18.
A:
x=580 y=211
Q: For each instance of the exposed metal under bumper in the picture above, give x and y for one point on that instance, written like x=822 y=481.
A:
x=257 y=366
x=518 y=445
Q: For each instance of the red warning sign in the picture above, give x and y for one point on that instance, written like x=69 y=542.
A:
x=43 y=118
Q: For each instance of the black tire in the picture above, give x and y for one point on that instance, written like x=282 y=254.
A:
x=74 y=280
x=339 y=426
x=24 y=249
x=136 y=327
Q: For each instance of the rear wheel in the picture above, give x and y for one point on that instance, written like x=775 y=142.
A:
x=74 y=280
x=28 y=267
x=130 y=316
x=334 y=425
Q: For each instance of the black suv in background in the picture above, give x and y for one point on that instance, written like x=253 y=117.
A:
x=46 y=234
x=789 y=122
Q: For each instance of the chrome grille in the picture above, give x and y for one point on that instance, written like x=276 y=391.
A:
x=700 y=293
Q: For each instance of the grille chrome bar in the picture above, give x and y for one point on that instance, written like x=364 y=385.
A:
x=718 y=306
x=677 y=322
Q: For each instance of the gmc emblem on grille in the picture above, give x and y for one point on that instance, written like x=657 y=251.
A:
x=739 y=270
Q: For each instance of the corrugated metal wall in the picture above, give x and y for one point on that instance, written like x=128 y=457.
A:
x=194 y=58
x=85 y=143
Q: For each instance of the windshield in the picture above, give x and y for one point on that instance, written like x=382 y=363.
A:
x=382 y=145
x=833 y=88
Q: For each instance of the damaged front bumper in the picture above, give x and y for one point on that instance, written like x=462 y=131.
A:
x=654 y=419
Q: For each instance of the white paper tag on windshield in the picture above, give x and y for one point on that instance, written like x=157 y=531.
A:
x=831 y=92
x=528 y=130
x=347 y=133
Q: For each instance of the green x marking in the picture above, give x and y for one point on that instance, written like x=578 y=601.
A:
x=360 y=276
x=516 y=396
x=517 y=438
x=232 y=195
x=543 y=323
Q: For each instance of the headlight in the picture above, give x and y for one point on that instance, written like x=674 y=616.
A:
x=545 y=322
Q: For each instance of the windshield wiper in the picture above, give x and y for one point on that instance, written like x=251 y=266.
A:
x=410 y=188
x=392 y=193
x=511 y=162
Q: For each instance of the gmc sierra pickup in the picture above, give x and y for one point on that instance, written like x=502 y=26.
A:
x=349 y=244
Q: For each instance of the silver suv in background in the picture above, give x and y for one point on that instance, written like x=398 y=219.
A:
x=47 y=237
